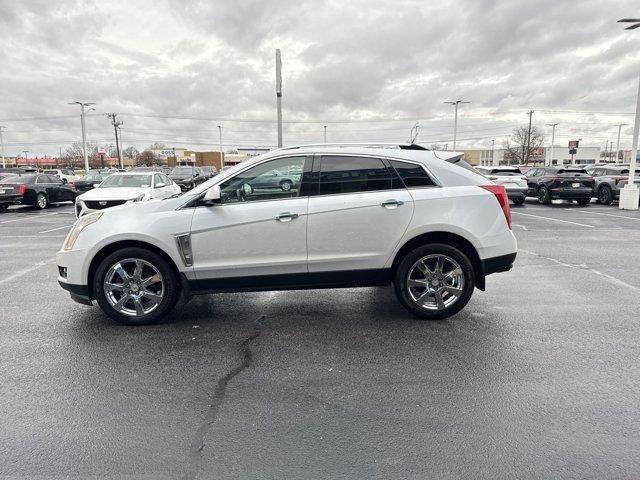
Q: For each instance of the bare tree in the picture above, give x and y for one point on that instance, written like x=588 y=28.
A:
x=516 y=146
x=156 y=146
x=130 y=152
x=145 y=159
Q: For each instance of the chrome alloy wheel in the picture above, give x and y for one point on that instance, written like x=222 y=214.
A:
x=134 y=287
x=42 y=201
x=435 y=282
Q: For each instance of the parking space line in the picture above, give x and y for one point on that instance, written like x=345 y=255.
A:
x=554 y=219
x=31 y=215
x=607 y=214
x=25 y=271
x=54 y=229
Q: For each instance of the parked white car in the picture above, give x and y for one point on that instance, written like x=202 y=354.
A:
x=356 y=217
x=67 y=175
x=122 y=188
x=512 y=178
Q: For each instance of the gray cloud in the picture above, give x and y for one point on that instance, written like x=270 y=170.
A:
x=342 y=60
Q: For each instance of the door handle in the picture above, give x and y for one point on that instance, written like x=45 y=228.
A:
x=286 y=217
x=391 y=203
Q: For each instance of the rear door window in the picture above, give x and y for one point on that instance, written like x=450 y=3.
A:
x=343 y=174
x=413 y=176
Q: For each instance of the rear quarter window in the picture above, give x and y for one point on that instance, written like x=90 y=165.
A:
x=413 y=176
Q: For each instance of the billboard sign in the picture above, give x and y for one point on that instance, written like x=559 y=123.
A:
x=574 y=144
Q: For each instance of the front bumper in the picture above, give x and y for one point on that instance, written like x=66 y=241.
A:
x=78 y=293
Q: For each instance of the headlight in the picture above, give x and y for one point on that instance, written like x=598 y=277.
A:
x=80 y=225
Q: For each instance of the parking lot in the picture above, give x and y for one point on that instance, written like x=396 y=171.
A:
x=539 y=377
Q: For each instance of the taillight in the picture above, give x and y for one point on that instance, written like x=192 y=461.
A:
x=617 y=179
x=71 y=185
x=501 y=195
x=554 y=178
x=21 y=189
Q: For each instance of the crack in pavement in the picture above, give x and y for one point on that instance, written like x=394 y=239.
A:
x=217 y=399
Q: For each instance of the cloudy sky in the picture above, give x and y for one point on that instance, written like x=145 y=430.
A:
x=174 y=70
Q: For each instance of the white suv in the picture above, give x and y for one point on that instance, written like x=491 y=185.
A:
x=353 y=217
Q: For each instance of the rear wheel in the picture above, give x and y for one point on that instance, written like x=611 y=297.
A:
x=605 y=195
x=135 y=286
x=518 y=200
x=286 y=185
x=543 y=196
x=3 y=207
x=41 y=201
x=434 y=281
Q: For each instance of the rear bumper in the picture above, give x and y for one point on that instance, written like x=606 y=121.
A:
x=571 y=193
x=516 y=192
x=11 y=199
x=503 y=263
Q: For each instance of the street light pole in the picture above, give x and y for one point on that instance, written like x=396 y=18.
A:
x=455 y=103
x=553 y=140
x=4 y=165
x=84 y=131
x=279 y=95
x=493 y=144
x=325 y=134
x=221 y=154
x=618 y=143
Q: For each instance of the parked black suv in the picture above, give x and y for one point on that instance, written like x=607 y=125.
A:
x=549 y=183
x=187 y=177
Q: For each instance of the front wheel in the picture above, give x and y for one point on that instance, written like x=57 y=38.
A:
x=434 y=281
x=135 y=286
x=518 y=200
x=605 y=195
x=286 y=186
x=583 y=201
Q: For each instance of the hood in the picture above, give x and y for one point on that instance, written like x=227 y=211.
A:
x=179 y=176
x=118 y=193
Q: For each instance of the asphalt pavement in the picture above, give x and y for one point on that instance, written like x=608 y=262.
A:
x=538 y=377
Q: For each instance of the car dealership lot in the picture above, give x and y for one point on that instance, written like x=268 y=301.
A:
x=537 y=377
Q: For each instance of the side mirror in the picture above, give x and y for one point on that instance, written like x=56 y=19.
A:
x=212 y=196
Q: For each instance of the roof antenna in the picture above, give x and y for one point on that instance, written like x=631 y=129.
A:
x=413 y=136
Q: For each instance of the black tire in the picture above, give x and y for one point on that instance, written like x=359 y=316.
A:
x=41 y=202
x=286 y=185
x=402 y=273
x=605 y=195
x=171 y=283
x=543 y=196
x=3 y=207
x=518 y=200
x=583 y=201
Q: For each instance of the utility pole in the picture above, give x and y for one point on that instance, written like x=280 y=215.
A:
x=455 y=103
x=84 y=131
x=525 y=154
x=121 y=145
x=4 y=165
x=26 y=156
x=325 y=134
x=279 y=95
x=618 y=142
x=116 y=124
x=553 y=140
x=221 y=153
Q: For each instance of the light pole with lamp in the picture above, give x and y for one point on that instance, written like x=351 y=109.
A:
x=553 y=140
x=629 y=194
x=455 y=103
x=84 y=131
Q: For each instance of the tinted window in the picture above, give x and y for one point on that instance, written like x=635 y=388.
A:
x=353 y=174
x=271 y=180
x=412 y=175
x=157 y=179
x=53 y=179
x=29 y=179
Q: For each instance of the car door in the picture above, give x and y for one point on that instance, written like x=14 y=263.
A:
x=532 y=181
x=63 y=192
x=45 y=184
x=251 y=232
x=357 y=216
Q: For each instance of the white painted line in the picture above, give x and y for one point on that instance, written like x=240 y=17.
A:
x=25 y=271
x=54 y=229
x=607 y=214
x=32 y=236
x=612 y=279
x=554 y=219
x=32 y=215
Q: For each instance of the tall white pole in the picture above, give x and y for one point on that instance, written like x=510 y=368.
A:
x=618 y=143
x=325 y=134
x=493 y=144
x=84 y=139
x=629 y=194
x=279 y=95
x=221 y=153
x=455 y=127
x=4 y=165
x=553 y=141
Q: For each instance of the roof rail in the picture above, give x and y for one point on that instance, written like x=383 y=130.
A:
x=401 y=146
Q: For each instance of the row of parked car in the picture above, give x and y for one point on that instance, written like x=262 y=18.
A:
x=579 y=183
x=98 y=188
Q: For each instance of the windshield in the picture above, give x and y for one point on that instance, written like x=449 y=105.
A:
x=182 y=171
x=115 y=181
